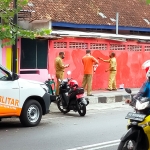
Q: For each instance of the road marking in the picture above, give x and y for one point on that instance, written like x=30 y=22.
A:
x=97 y=146
x=101 y=147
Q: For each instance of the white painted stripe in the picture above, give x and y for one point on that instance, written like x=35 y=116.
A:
x=116 y=142
x=101 y=147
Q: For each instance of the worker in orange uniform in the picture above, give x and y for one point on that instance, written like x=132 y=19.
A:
x=59 y=68
x=88 y=62
x=113 y=71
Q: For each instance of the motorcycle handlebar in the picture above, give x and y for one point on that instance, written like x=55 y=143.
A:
x=68 y=79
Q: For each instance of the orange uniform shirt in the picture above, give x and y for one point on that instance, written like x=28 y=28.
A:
x=88 y=62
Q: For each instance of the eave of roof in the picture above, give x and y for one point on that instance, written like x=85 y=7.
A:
x=119 y=37
x=92 y=26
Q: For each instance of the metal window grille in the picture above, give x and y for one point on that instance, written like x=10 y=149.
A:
x=60 y=44
x=147 y=48
x=98 y=46
x=76 y=45
x=134 y=48
x=117 y=47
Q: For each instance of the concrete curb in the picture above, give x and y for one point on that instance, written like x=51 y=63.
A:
x=107 y=99
x=104 y=96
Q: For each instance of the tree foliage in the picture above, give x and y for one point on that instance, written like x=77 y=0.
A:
x=8 y=29
x=148 y=1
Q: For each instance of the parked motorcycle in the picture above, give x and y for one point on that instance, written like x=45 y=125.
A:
x=71 y=97
x=138 y=134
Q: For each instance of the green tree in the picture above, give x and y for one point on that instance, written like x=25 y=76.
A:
x=9 y=30
x=148 y=1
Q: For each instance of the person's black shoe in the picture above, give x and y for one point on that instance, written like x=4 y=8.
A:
x=90 y=95
x=114 y=89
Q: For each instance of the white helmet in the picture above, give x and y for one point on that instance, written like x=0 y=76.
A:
x=146 y=66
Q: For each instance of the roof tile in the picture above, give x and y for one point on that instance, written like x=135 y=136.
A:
x=131 y=12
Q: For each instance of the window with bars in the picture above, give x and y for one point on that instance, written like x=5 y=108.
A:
x=77 y=45
x=60 y=44
x=98 y=46
x=147 y=48
x=134 y=48
x=117 y=47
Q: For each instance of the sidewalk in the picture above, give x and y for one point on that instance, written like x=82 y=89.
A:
x=104 y=96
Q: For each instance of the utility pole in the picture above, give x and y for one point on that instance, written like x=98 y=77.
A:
x=117 y=22
x=14 y=47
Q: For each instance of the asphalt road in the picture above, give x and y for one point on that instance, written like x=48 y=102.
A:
x=98 y=130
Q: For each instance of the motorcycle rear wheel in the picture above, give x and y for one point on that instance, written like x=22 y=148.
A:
x=127 y=145
x=60 y=107
x=81 y=109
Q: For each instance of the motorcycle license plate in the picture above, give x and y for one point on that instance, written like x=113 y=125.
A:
x=135 y=116
x=79 y=96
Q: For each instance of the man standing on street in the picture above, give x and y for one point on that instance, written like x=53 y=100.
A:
x=113 y=71
x=59 y=68
x=88 y=62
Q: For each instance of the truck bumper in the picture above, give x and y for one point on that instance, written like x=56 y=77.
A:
x=47 y=102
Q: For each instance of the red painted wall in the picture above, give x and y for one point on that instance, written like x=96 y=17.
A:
x=130 y=56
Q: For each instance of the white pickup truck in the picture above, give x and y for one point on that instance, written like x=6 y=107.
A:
x=26 y=99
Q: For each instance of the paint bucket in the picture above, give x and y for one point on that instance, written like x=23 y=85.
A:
x=121 y=86
x=95 y=67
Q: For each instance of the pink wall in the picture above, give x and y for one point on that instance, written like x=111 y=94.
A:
x=130 y=56
x=42 y=75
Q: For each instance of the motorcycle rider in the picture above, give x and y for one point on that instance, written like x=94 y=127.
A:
x=145 y=89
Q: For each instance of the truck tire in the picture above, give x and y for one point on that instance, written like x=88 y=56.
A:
x=31 y=113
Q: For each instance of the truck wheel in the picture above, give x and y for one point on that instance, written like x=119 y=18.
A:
x=31 y=114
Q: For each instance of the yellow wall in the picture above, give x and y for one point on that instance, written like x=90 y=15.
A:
x=8 y=58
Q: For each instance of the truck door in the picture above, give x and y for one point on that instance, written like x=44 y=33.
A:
x=9 y=95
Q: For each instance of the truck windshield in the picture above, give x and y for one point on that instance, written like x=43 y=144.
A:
x=5 y=74
x=5 y=69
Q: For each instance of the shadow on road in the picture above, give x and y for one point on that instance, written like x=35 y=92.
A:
x=6 y=125
x=70 y=114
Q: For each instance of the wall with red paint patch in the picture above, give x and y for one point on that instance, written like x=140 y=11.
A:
x=130 y=56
